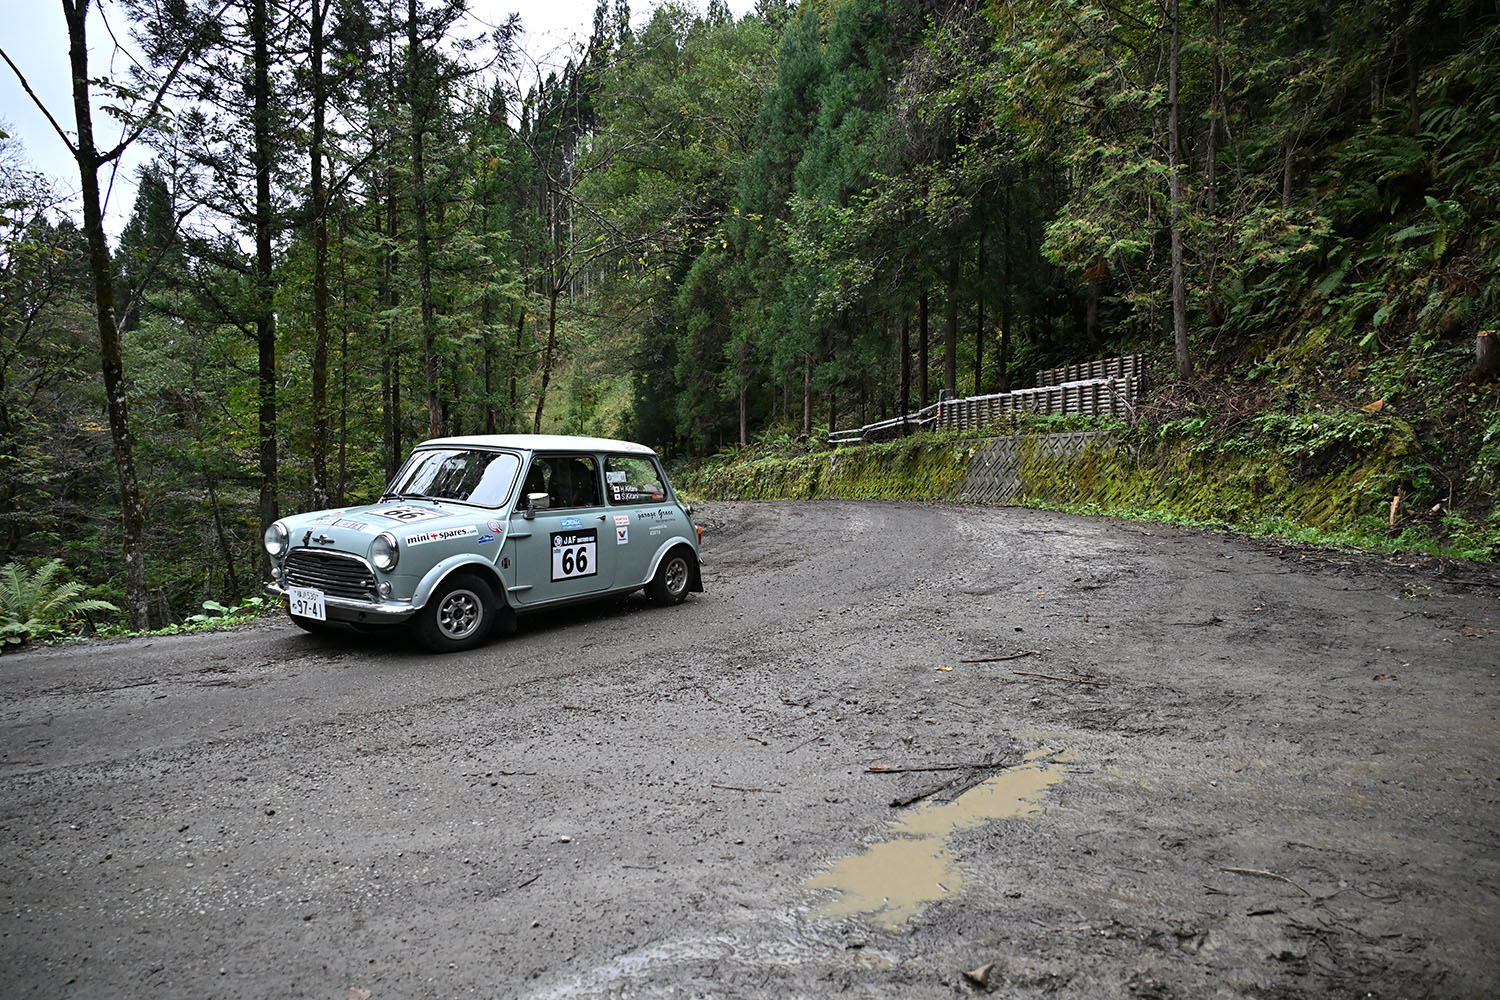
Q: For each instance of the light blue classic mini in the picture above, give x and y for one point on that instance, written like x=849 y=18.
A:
x=475 y=530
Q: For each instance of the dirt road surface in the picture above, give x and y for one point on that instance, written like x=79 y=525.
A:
x=1183 y=766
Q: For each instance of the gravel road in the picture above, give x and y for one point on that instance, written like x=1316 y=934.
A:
x=896 y=750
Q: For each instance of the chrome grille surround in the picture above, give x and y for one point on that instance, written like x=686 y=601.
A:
x=336 y=573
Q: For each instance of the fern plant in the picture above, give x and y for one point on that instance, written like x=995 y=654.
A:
x=37 y=604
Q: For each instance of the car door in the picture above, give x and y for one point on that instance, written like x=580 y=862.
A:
x=565 y=550
x=641 y=516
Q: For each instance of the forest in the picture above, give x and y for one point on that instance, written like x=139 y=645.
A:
x=363 y=224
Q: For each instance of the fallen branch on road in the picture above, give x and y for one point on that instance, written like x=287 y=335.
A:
x=901 y=801
x=1262 y=873
x=810 y=739
x=1053 y=677
x=999 y=659
x=883 y=769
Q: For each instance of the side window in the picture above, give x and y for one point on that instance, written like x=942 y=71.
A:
x=568 y=481
x=633 y=479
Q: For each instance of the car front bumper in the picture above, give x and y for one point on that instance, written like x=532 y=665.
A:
x=354 y=612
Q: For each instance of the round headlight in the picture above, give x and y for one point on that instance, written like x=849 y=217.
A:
x=384 y=553
x=276 y=539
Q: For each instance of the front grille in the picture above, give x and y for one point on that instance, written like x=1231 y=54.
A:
x=336 y=573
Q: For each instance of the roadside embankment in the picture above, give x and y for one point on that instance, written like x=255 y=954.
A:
x=1336 y=479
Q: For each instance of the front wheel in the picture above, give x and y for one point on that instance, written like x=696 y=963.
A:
x=670 y=584
x=458 y=616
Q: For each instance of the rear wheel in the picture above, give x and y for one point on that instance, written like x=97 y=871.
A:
x=670 y=584
x=458 y=616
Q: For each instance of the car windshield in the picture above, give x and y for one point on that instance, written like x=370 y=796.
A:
x=466 y=475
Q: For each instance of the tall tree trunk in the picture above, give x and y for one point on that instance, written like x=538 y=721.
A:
x=514 y=402
x=922 y=396
x=418 y=104
x=316 y=14
x=343 y=480
x=950 y=327
x=553 y=292
x=979 y=265
x=1006 y=292
x=231 y=577
x=1174 y=186
x=265 y=305
x=392 y=348
x=122 y=442
x=905 y=405
x=807 y=395
x=744 y=416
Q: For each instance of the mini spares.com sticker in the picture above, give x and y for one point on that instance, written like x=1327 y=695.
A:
x=441 y=535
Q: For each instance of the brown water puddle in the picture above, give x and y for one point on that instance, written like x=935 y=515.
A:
x=893 y=881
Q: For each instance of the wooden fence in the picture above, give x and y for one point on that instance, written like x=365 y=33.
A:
x=1096 y=388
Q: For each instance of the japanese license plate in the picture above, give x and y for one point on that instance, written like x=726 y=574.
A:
x=306 y=602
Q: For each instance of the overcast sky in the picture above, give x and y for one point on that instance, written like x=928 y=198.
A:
x=34 y=35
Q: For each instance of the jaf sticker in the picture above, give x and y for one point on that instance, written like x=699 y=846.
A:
x=575 y=554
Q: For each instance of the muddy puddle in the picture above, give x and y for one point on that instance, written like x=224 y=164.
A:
x=891 y=882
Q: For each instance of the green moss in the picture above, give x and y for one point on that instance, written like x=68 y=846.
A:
x=1310 y=477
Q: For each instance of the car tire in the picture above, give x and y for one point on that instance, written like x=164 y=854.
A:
x=672 y=579
x=458 y=616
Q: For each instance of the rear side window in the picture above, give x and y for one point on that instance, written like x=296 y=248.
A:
x=631 y=479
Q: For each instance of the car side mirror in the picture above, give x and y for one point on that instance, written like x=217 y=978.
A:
x=536 y=502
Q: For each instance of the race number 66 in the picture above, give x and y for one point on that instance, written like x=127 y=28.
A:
x=574 y=555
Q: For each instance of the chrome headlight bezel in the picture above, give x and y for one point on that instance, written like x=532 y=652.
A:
x=384 y=552
x=277 y=540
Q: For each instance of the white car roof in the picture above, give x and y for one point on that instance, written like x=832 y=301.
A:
x=538 y=442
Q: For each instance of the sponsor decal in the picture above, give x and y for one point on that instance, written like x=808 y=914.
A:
x=660 y=514
x=441 y=535
x=407 y=513
x=575 y=554
x=615 y=477
x=622 y=519
x=622 y=536
x=570 y=522
x=495 y=526
x=485 y=538
x=344 y=522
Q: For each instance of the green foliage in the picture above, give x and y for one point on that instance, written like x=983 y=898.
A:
x=214 y=617
x=39 y=604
